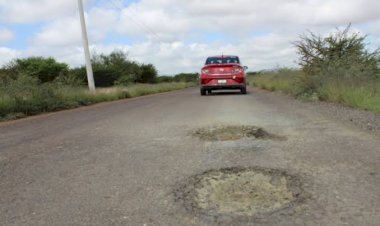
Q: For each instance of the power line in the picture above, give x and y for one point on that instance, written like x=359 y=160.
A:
x=141 y=25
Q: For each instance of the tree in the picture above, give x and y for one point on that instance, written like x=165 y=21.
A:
x=148 y=73
x=45 y=69
x=342 y=53
x=115 y=68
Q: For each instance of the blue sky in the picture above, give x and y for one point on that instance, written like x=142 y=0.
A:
x=176 y=35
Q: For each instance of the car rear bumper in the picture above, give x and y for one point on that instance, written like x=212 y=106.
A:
x=219 y=87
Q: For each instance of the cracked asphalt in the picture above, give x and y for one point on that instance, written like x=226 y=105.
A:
x=120 y=163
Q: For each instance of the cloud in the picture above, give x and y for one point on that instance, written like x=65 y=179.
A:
x=67 y=31
x=7 y=54
x=64 y=32
x=177 y=36
x=6 y=35
x=172 y=17
x=27 y=11
x=259 y=53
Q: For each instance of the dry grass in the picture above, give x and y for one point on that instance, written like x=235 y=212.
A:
x=23 y=98
x=355 y=92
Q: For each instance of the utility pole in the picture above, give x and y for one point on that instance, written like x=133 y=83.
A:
x=90 y=74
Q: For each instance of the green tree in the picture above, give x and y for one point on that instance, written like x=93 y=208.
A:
x=45 y=69
x=148 y=73
x=341 y=54
x=115 y=68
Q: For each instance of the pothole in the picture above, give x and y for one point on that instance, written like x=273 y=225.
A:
x=240 y=192
x=225 y=133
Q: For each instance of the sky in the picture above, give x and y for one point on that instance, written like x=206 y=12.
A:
x=178 y=35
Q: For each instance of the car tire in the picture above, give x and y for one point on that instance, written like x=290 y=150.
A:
x=203 y=92
x=243 y=90
x=209 y=91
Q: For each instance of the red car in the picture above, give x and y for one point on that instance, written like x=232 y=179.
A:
x=223 y=72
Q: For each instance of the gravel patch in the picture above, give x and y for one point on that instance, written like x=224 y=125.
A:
x=242 y=194
x=366 y=120
x=226 y=133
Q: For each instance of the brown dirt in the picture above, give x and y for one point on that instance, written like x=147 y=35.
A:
x=240 y=193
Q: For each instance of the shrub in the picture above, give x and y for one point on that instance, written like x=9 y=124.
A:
x=342 y=54
x=115 y=68
x=148 y=74
x=186 y=77
x=164 y=78
x=44 y=69
x=28 y=95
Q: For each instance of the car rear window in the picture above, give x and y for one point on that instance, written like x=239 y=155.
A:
x=223 y=60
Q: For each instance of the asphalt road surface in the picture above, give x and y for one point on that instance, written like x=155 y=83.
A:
x=123 y=163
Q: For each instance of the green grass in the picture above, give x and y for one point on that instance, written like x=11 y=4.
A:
x=18 y=100
x=284 y=80
x=359 y=94
x=353 y=91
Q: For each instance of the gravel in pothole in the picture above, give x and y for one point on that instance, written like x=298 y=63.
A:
x=225 y=133
x=240 y=192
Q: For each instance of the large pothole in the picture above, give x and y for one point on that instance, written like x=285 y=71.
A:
x=225 y=133
x=240 y=192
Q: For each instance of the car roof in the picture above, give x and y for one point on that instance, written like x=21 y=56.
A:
x=221 y=56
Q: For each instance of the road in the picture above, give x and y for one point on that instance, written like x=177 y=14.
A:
x=125 y=162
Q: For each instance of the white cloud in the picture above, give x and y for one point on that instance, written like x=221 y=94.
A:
x=100 y=22
x=6 y=35
x=175 y=34
x=67 y=31
x=259 y=53
x=240 y=16
x=7 y=54
x=62 y=32
x=27 y=11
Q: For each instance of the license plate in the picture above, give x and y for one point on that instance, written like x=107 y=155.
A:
x=222 y=81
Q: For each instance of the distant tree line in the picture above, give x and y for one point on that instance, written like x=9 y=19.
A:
x=182 y=77
x=109 y=70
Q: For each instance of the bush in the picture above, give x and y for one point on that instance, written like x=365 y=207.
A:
x=164 y=78
x=336 y=68
x=148 y=74
x=116 y=69
x=28 y=95
x=186 y=77
x=341 y=54
x=44 y=69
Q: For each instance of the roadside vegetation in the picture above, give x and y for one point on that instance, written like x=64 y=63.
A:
x=336 y=68
x=34 y=85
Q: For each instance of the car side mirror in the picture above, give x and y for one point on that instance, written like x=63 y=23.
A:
x=245 y=68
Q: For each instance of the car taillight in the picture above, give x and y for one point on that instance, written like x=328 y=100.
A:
x=205 y=71
x=237 y=70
